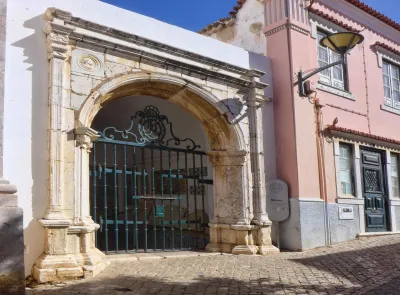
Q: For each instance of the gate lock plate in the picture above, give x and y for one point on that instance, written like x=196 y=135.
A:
x=159 y=211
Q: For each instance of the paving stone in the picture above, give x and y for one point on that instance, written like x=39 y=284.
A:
x=365 y=266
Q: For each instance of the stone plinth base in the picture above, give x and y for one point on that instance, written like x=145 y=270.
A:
x=245 y=250
x=268 y=250
x=50 y=268
x=70 y=253
x=241 y=239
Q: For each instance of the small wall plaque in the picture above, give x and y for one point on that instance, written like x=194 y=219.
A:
x=346 y=213
x=277 y=200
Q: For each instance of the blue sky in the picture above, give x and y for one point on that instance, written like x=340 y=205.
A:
x=195 y=14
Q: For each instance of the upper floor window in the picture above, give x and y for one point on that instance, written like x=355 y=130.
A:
x=394 y=174
x=346 y=169
x=391 y=84
x=333 y=76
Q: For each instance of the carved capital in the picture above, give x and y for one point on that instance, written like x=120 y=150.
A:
x=84 y=137
x=57 y=40
x=227 y=158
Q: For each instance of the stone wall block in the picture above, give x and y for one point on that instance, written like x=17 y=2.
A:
x=215 y=85
x=120 y=58
x=146 y=66
x=228 y=236
x=77 y=100
x=113 y=69
x=55 y=261
x=44 y=275
x=56 y=242
x=73 y=243
x=81 y=84
x=69 y=273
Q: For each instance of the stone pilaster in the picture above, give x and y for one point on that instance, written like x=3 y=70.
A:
x=92 y=260
x=57 y=48
x=255 y=99
x=56 y=263
x=84 y=136
x=263 y=233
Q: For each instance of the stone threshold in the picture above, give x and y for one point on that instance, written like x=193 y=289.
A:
x=376 y=234
x=160 y=255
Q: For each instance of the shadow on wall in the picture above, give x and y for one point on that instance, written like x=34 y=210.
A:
x=12 y=279
x=35 y=51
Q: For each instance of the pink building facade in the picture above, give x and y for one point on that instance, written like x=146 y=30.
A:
x=338 y=150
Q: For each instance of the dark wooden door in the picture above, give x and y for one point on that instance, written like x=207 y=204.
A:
x=374 y=191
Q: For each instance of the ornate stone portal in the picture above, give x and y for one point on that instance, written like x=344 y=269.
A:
x=91 y=65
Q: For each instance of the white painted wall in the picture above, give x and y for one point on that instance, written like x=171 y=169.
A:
x=248 y=30
x=26 y=92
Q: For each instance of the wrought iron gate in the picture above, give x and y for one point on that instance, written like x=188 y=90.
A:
x=147 y=191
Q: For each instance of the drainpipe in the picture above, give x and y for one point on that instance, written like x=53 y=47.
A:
x=321 y=169
x=255 y=97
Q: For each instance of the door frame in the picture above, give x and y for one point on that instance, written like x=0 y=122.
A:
x=384 y=183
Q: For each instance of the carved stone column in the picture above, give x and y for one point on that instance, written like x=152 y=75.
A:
x=255 y=97
x=260 y=234
x=55 y=262
x=84 y=137
x=57 y=48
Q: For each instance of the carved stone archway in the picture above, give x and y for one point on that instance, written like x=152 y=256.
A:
x=76 y=95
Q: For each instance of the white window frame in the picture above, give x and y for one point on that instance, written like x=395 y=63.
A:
x=392 y=68
x=350 y=160
x=332 y=57
x=382 y=55
x=394 y=174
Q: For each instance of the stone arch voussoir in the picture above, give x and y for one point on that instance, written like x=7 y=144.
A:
x=202 y=104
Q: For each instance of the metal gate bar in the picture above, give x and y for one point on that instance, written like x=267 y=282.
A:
x=134 y=194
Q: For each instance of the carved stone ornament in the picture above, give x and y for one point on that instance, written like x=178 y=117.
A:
x=89 y=63
x=84 y=137
x=57 y=40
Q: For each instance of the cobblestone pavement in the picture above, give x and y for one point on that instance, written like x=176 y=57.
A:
x=366 y=266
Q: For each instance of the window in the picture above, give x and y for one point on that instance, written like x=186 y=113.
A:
x=394 y=174
x=333 y=76
x=391 y=84
x=345 y=168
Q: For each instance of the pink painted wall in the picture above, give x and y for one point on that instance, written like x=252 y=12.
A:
x=285 y=144
x=294 y=116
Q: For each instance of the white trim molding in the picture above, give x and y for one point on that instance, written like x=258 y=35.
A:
x=335 y=91
x=318 y=22
x=383 y=53
x=350 y=201
x=390 y=109
x=315 y=200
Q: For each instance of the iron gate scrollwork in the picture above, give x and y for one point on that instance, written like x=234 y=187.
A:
x=148 y=187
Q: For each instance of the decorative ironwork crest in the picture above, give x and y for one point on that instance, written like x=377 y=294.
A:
x=152 y=129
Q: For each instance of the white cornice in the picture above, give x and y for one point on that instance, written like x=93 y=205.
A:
x=108 y=39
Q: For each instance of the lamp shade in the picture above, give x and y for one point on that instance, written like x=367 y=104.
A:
x=342 y=42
